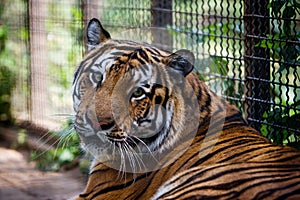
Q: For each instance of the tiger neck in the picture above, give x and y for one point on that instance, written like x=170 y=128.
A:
x=214 y=111
x=217 y=120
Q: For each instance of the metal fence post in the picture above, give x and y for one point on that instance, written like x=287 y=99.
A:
x=257 y=61
x=161 y=16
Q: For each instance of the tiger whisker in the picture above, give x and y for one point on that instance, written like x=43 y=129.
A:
x=139 y=160
x=46 y=138
x=142 y=142
x=137 y=155
x=130 y=156
x=136 y=144
x=60 y=141
x=122 y=168
x=63 y=115
x=64 y=139
x=42 y=143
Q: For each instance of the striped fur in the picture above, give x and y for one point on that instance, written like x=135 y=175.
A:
x=256 y=180
x=224 y=159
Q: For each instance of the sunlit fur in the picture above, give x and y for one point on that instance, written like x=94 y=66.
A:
x=235 y=162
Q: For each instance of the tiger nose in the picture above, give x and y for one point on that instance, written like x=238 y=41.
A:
x=106 y=124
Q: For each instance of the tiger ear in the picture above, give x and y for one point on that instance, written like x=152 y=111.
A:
x=181 y=61
x=95 y=34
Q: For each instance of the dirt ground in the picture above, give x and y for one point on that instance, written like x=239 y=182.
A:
x=20 y=180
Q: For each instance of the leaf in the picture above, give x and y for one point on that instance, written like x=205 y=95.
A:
x=294 y=121
x=287 y=28
x=296 y=104
x=276 y=6
x=297 y=47
x=3 y=31
x=220 y=64
x=262 y=44
x=288 y=12
x=66 y=156
x=297 y=4
x=281 y=68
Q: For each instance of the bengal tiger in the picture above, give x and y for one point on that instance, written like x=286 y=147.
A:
x=156 y=131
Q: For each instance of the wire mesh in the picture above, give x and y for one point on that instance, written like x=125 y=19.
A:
x=246 y=51
x=42 y=46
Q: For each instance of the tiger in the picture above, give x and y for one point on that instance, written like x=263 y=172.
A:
x=156 y=131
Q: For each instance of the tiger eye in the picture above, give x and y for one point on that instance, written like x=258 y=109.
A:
x=97 y=78
x=138 y=92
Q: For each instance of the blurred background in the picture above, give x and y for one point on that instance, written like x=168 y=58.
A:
x=246 y=51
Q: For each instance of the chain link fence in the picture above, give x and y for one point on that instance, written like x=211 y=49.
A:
x=246 y=51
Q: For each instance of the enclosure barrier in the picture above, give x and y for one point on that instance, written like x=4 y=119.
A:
x=246 y=51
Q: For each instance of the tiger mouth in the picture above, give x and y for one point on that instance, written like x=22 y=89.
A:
x=117 y=135
x=107 y=126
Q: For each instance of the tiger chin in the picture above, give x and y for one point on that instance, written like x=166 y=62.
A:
x=158 y=132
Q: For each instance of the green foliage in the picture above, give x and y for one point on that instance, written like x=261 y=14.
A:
x=66 y=153
x=7 y=84
x=10 y=54
x=76 y=28
x=283 y=42
x=284 y=47
x=21 y=140
x=3 y=37
x=288 y=116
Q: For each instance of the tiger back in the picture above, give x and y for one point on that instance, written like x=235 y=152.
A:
x=158 y=132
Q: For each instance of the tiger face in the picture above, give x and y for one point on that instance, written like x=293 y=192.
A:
x=132 y=101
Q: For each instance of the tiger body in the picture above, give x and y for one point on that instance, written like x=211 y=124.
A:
x=215 y=156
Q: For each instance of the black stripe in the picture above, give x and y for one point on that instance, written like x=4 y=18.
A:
x=160 y=133
x=153 y=51
x=145 y=188
x=134 y=56
x=153 y=92
x=233 y=125
x=228 y=158
x=166 y=98
x=195 y=169
x=234 y=117
x=190 y=180
x=212 y=154
x=92 y=55
x=102 y=61
x=84 y=195
x=144 y=69
x=156 y=59
x=199 y=95
x=228 y=186
x=268 y=192
x=126 y=47
x=143 y=54
x=289 y=158
x=99 y=170
x=289 y=193
x=207 y=103
x=118 y=187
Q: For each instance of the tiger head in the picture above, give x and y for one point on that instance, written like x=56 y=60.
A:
x=132 y=99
